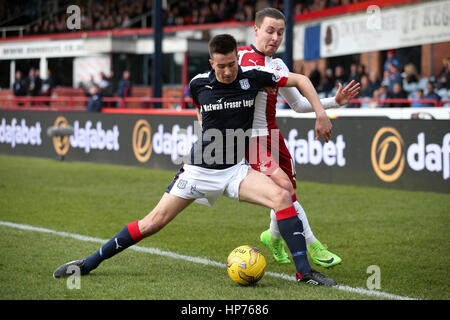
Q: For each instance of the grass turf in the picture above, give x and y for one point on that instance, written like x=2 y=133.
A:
x=405 y=233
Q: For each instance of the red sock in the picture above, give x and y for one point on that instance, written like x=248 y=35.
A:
x=286 y=213
x=135 y=233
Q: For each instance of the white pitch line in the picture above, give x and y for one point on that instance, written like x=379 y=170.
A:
x=205 y=261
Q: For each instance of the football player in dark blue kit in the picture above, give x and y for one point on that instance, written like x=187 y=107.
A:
x=224 y=98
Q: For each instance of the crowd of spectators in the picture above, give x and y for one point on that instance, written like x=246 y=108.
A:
x=393 y=84
x=32 y=84
x=104 y=14
x=396 y=82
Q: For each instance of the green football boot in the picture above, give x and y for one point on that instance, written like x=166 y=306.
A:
x=276 y=245
x=321 y=256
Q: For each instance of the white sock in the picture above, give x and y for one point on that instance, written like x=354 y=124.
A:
x=275 y=232
x=309 y=236
x=273 y=228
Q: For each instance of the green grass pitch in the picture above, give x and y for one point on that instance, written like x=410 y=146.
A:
x=406 y=234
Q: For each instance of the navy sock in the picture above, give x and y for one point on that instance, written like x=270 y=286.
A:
x=127 y=237
x=291 y=229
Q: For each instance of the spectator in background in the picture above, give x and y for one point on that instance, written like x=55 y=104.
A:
x=38 y=83
x=339 y=75
x=87 y=85
x=124 y=86
x=33 y=83
x=206 y=15
x=391 y=59
x=373 y=104
x=386 y=76
x=171 y=15
x=244 y=12
x=419 y=95
x=328 y=84
x=315 y=76
x=410 y=78
x=231 y=9
x=222 y=11
x=374 y=81
x=354 y=75
x=394 y=77
x=361 y=70
x=366 y=90
x=19 y=85
x=48 y=84
x=215 y=11
x=95 y=103
x=105 y=85
x=382 y=93
x=398 y=93
x=431 y=95
x=195 y=16
x=411 y=75
x=113 y=84
x=443 y=78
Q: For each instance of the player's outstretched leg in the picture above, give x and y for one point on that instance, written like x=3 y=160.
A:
x=167 y=209
x=127 y=237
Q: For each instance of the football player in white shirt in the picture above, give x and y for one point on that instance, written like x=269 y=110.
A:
x=269 y=29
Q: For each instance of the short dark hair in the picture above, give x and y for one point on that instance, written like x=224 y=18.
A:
x=223 y=44
x=268 y=12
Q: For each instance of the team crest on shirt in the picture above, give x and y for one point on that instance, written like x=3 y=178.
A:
x=276 y=75
x=181 y=184
x=245 y=85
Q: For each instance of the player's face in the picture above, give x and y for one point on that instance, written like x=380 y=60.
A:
x=269 y=35
x=225 y=66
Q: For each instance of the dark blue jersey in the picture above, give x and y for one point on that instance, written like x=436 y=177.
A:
x=227 y=114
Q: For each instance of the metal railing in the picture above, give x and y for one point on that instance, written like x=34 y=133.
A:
x=79 y=103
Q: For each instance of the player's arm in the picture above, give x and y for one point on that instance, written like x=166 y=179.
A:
x=304 y=85
x=300 y=104
x=199 y=116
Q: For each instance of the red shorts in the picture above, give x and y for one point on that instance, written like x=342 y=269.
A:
x=267 y=153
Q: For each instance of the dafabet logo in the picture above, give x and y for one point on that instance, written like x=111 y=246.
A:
x=389 y=154
x=142 y=140
x=87 y=138
x=61 y=143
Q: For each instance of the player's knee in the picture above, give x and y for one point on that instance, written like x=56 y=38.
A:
x=281 y=199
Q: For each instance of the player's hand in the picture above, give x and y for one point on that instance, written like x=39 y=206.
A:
x=343 y=96
x=323 y=127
